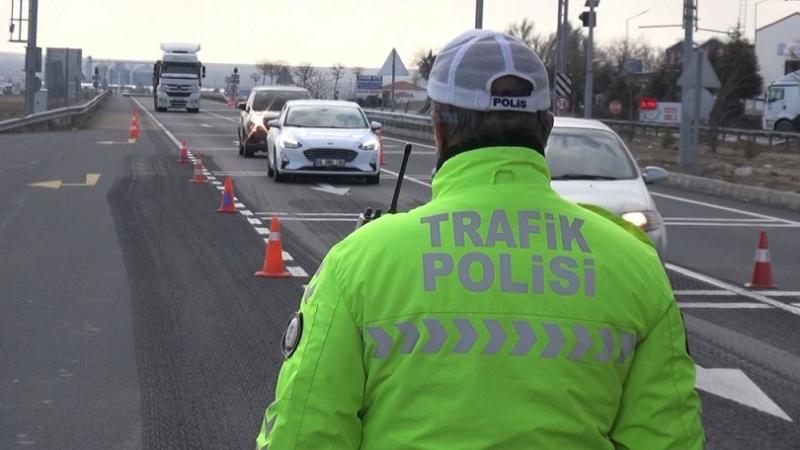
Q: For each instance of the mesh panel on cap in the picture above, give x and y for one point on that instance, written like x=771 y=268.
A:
x=441 y=68
x=521 y=54
x=482 y=60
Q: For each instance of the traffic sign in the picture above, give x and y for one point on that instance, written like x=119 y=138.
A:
x=398 y=67
x=563 y=85
x=648 y=103
x=562 y=104
x=615 y=107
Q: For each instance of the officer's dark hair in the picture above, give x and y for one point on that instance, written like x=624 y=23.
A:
x=465 y=129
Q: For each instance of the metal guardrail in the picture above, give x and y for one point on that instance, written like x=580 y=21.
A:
x=54 y=114
x=777 y=141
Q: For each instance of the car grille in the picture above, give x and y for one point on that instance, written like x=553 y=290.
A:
x=330 y=153
x=178 y=94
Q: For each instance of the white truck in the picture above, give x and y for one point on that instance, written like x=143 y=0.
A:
x=177 y=78
x=782 y=110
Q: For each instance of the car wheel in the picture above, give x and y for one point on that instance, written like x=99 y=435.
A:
x=194 y=110
x=373 y=179
x=241 y=146
x=784 y=126
x=278 y=176
x=248 y=152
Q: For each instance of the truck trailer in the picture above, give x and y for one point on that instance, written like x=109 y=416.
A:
x=177 y=78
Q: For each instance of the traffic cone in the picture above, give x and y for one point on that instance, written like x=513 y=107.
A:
x=133 y=131
x=199 y=176
x=135 y=119
x=273 y=259
x=380 y=146
x=183 y=158
x=762 y=268
x=226 y=205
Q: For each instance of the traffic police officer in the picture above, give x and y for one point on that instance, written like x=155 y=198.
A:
x=497 y=316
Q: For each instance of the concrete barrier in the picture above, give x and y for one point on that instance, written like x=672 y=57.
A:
x=55 y=119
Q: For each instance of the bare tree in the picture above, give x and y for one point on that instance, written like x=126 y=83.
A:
x=424 y=62
x=255 y=76
x=265 y=68
x=337 y=69
x=318 y=84
x=283 y=75
x=302 y=75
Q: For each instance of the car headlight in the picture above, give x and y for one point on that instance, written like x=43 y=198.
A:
x=287 y=142
x=646 y=220
x=160 y=88
x=369 y=144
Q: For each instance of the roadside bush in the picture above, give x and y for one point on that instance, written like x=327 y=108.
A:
x=668 y=140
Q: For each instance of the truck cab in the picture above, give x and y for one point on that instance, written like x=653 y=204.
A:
x=782 y=108
x=177 y=78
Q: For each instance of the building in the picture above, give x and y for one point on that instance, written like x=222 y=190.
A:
x=405 y=91
x=778 y=48
x=673 y=56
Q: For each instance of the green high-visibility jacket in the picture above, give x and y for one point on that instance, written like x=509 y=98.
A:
x=497 y=316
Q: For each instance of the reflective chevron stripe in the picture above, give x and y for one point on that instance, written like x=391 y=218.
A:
x=459 y=336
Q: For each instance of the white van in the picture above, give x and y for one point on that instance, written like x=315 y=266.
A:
x=782 y=110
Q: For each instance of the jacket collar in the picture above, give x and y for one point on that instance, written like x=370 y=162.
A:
x=491 y=166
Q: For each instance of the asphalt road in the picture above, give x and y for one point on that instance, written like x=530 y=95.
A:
x=131 y=317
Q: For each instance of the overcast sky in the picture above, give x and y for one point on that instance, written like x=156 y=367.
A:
x=355 y=32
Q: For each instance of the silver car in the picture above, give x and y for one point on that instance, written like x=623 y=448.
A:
x=323 y=137
x=589 y=163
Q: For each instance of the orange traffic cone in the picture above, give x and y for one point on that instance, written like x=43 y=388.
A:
x=199 y=176
x=226 y=205
x=135 y=118
x=273 y=259
x=762 y=268
x=133 y=130
x=183 y=158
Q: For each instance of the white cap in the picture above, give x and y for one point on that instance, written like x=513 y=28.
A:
x=465 y=69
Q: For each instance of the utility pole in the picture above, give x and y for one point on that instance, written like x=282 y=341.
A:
x=589 y=19
x=561 y=36
x=33 y=58
x=686 y=150
x=478 y=14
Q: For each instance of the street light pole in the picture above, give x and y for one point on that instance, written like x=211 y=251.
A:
x=588 y=97
x=32 y=57
x=627 y=25
x=686 y=149
x=478 y=14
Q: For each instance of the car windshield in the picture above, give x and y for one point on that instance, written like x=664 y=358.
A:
x=579 y=153
x=325 y=117
x=274 y=100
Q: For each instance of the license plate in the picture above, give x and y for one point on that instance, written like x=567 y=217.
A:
x=329 y=163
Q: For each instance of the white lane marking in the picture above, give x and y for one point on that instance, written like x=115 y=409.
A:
x=238 y=205
x=702 y=292
x=206 y=134
x=723 y=208
x=713 y=219
x=205 y=125
x=216 y=149
x=219 y=116
x=297 y=271
x=217 y=183
x=710 y=224
x=262 y=231
x=325 y=187
x=318 y=219
x=254 y=221
x=729 y=287
x=781 y=293
x=411 y=142
x=724 y=305
x=309 y=214
x=734 y=385
x=286 y=256
x=242 y=173
x=211 y=177
x=411 y=179
x=152 y=117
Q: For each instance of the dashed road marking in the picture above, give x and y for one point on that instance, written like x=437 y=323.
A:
x=219 y=116
x=238 y=205
x=294 y=270
x=262 y=231
x=703 y=292
x=724 y=208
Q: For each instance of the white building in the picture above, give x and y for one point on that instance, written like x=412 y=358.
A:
x=778 y=48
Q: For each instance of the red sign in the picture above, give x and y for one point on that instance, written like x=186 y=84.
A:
x=648 y=104
x=615 y=107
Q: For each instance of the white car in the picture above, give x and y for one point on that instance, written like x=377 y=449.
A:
x=323 y=137
x=589 y=163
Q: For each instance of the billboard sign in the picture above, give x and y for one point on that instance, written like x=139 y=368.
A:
x=664 y=112
x=369 y=84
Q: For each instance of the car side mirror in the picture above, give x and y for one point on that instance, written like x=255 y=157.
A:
x=654 y=175
x=274 y=123
x=375 y=126
x=242 y=106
